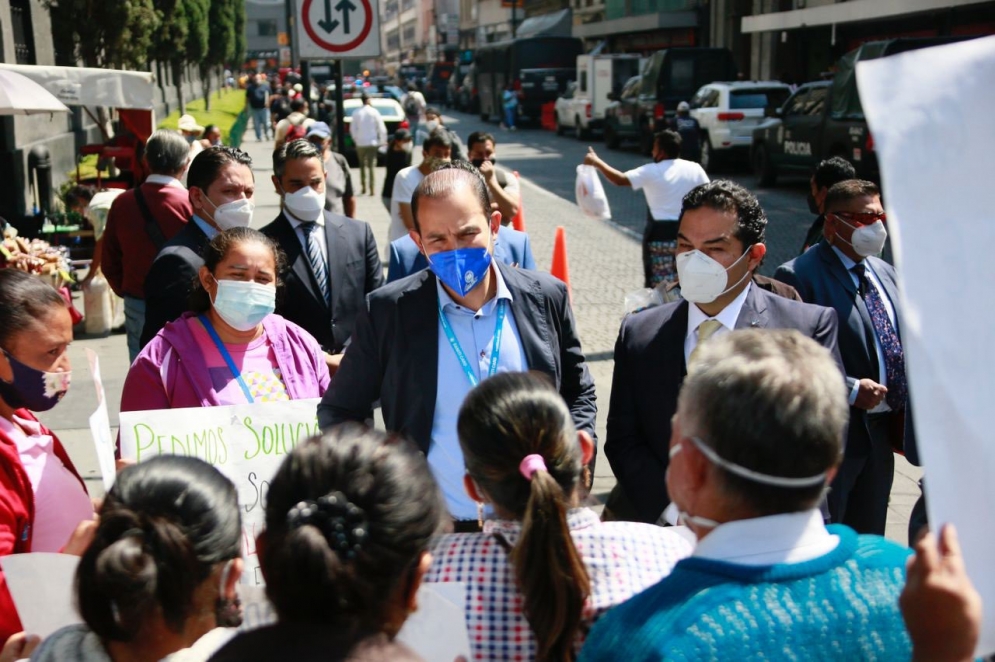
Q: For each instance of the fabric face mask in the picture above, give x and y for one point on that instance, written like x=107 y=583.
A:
x=432 y=125
x=866 y=240
x=306 y=204
x=33 y=389
x=243 y=305
x=461 y=269
x=479 y=162
x=234 y=214
x=702 y=279
x=434 y=162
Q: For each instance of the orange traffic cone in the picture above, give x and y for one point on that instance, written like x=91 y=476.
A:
x=561 y=267
x=518 y=221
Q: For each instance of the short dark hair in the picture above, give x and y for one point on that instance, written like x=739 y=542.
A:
x=438 y=138
x=295 y=149
x=207 y=165
x=442 y=182
x=163 y=527
x=78 y=195
x=479 y=137
x=726 y=196
x=24 y=300
x=768 y=400
x=432 y=110
x=850 y=189
x=377 y=484
x=215 y=251
x=669 y=142
x=833 y=171
x=167 y=152
x=297 y=104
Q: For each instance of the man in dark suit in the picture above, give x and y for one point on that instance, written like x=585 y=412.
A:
x=332 y=260
x=720 y=243
x=510 y=246
x=221 y=189
x=427 y=339
x=842 y=273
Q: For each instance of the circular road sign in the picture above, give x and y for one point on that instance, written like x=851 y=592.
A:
x=333 y=19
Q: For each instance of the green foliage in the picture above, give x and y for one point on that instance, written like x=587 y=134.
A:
x=240 y=42
x=103 y=34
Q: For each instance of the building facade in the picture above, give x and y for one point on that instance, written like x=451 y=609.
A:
x=266 y=34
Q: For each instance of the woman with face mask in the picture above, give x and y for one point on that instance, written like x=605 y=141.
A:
x=43 y=498
x=162 y=568
x=230 y=348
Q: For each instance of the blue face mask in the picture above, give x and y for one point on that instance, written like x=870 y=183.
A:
x=461 y=269
x=243 y=305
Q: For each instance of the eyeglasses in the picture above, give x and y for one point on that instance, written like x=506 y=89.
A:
x=860 y=217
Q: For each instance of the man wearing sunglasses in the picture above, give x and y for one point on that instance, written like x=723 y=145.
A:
x=843 y=273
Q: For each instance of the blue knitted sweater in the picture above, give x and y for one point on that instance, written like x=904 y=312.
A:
x=840 y=606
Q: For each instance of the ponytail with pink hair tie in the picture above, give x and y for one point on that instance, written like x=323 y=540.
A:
x=532 y=464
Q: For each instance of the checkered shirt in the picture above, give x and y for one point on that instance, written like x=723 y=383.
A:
x=622 y=559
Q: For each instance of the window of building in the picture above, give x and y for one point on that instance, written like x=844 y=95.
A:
x=24 y=37
x=266 y=28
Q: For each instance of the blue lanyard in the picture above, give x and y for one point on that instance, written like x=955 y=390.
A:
x=495 y=346
x=236 y=373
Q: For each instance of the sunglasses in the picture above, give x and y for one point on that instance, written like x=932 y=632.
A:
x=860 y=217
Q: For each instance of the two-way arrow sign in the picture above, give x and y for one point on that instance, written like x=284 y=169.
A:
x=344 y=7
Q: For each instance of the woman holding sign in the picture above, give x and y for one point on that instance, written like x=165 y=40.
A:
x=231 y=348
x=42 y=498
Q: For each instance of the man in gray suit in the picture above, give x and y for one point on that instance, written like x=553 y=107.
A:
x=843 y=273
x=424 y=341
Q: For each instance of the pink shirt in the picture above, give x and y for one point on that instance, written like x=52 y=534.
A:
x=61 y=503
x=257 y=363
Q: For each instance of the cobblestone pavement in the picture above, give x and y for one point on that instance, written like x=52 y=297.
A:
x=604 y=261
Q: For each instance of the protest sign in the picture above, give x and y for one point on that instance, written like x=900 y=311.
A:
x=41 y=585
x=247 y=443
x=437 y=630
x=100 y=425
x=930 y=111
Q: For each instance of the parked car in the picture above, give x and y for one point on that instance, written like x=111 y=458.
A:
x=728 y=113
x=668 y=77
x=570 y=111
x=389 y=109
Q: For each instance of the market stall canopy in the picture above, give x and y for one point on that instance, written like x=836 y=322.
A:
x=81 y=86
x=20 y=95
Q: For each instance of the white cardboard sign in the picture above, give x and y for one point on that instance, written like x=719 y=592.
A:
x=931 y=112
x=41 y=585
x=100 y=425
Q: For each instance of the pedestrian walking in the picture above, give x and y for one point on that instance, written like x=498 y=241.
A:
x=435 y=154
x=433 y=121
x=414 y=105
x=689 y=130
x=665 y=182
x=509 y=104
x=368 y=133
x=295 y=125
x=339 y=196
x=257 y=98
x=397 y=158
x=501 y=183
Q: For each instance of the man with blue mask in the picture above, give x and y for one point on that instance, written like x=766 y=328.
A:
x=720 y=244
x=755 y=443
x=332 y=260
x=842 y=272
x=427 y=339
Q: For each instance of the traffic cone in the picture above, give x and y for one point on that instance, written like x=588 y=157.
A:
x=518 y=221
x=561 y=267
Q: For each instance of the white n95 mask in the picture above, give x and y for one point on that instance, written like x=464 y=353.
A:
x=702 y=279
x=866 y=240
x=306 y=204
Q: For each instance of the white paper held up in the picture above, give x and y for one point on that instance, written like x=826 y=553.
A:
x=930 y=112
x=41 y=585
x=100 y=425
x=437 y=631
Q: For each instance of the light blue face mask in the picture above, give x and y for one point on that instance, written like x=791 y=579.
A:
x=461 y=269
x=243 y=305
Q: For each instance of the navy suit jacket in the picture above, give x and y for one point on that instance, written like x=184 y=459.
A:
x=394 y=353
x=510 y=246
x=354 y=271
x=820 y=277
x=649 y=371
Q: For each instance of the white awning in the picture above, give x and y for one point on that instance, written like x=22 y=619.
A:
x=845 y=12
x=81 y=86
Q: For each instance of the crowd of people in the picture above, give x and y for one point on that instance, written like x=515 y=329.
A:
x=751 y=422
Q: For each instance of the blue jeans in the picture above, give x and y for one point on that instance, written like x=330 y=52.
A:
x=134 y=322
x=509 y=116
x=260 y=122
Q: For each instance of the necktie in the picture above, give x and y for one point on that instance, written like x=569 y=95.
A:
x=317 y=260
x=894 y=357
x=706 y=330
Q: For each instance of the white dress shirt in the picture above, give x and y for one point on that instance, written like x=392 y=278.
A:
x=165 y=180
x=727 y=317
x=300 y=232
x=872 y=279
x=368 y=128
x=788 y=538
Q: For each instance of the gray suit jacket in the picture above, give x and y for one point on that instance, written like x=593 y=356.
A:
x=394 y=356
x=820 y=277
x=649 y=371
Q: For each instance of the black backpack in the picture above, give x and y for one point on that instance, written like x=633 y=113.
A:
x=411 y=105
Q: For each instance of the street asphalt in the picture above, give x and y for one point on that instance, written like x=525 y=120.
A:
x=604 y=261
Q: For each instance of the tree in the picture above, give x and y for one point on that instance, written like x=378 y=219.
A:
x=103 y=34
x=221 y=46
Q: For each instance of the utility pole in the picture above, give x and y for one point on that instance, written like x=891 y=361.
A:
x=514 y=18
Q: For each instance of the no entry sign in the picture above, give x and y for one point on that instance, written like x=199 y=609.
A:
x=332 y=29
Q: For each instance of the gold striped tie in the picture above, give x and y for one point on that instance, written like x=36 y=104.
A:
x=706 y=330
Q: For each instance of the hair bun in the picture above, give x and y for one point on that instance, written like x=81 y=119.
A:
x=343 y=524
